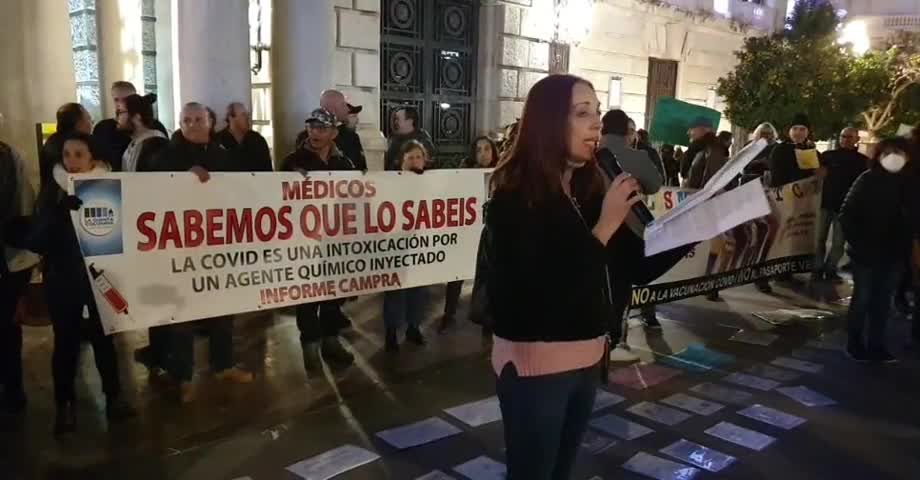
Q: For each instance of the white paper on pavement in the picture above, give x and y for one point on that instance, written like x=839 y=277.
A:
x=477 y=414
x=418 y=433
x=708 y=219
x=334 y=462
x=435 y=475
x=482 y=468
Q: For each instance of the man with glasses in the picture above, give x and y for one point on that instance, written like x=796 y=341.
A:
x=840 y=168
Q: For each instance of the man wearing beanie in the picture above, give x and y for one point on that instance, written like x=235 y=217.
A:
x=795 y=159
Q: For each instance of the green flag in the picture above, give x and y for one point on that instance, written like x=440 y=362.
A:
x=672 y=119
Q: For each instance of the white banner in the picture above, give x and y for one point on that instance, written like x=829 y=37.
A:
x=165 y=248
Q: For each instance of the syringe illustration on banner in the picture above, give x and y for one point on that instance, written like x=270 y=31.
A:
x=108 y=291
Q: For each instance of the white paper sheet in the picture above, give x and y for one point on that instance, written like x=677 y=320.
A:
x=604 y=399
x=796 y=364
x=710 y=218
x=658 y=413
x=751 y=381
x=482 y=468
x=418 y=433
x=693 y=404
x=806 y=396
x=659 y=468
x=435 y=475
x=741 y=436
x=699 y=455
x=754 y=337
x=620 y=427
x=477 y=414
x=334 y=462
x=772 y=416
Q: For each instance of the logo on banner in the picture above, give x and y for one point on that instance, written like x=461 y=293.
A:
x=99 y=218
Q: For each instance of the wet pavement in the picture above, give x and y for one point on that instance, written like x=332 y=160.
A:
x=257 y=430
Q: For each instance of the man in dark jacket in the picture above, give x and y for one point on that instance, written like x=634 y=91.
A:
x=795 y=159
x=709 y=154
x=842 y=167
x=193 y=149
x=241 y=141
x=405 y=128
x=137 y=120
x=320 y=322
x=107 y=134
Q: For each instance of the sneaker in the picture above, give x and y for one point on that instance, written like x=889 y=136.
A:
x=883 y=356
x=187 y=392
x=857 y=354
x=312 y=361
x=119 y=410
x=65 y=420
x=235 y=375
x=414 y=335
x=335 y=354
x=764 y=287
x=622 y=353
x=447 y=323
x=714 y=297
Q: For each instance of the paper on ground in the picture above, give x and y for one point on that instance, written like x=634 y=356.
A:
x=774 y=373
x=806 y=396
x=741 y=436
x=418 y=433
x=596 y=444
x=693 y=404
x=604 y=399
x=334 y=462
x=620 y=427
x=658 y=413
x=710 y=218
x=722 y=394
x=435 y=475
x=696 y=454
x=754 y=337
x=795 y=364
x=772 y=416
x=751 y=381
x=479 y=413
x=659 y=468
x=482 y=468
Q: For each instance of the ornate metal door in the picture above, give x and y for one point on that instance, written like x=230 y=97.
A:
x=428 y=61
x=662 y=82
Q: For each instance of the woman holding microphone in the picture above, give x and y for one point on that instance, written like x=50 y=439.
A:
x=549 y=221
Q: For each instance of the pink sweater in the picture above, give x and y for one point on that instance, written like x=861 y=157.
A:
x=532 y=359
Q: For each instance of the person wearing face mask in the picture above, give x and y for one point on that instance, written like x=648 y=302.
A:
x=406 y=306
x=550 y=217
x=483 y=154
x=71 y=302
x=876 y=217
x=841 y=167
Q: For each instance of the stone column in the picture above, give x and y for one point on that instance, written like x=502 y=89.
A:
x=119 y=27
x=303 y=48
x=210 y=53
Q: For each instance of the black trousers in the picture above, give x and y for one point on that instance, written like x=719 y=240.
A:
x=319 y=320
x=452 y=297
x=71 y=329
x=11 y=288
x=181 y=338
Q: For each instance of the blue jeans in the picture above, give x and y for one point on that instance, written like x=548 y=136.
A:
x=406 y=306
x=827 y=262
x=545 y=418
x=873 y=288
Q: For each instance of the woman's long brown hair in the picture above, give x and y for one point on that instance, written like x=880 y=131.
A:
x=534 y=164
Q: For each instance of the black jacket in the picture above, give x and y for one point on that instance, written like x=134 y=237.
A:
x=252 y=154
x=349 y=142
x=710 y=155
x=303 y=159
x=548 y=278
x=784 y=168
x=180 y=156
x=50 y=155
x=879 y=217
x=114 y=142
x=844 y=166
x=391 y=160
x=150 y=149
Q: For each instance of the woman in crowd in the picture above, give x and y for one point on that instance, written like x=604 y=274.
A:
x=71 y=117
x=758 y=168
x=483 y=154
x=70 y=294
x=877 y=217
x=549 y=221
x=406 y=306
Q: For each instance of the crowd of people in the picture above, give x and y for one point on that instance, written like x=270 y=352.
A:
x=553 y=214
x=37 y=225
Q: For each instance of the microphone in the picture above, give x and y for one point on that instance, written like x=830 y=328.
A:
x=609 y=164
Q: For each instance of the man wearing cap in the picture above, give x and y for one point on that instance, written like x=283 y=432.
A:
x=242 y=142
x=348 y=141
x=795 y=159
x=706 y=153
x=320 y=322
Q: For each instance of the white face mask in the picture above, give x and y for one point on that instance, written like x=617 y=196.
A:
x=893 y=162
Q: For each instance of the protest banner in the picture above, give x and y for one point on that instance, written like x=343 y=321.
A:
x=165 y=248
x=782 y=242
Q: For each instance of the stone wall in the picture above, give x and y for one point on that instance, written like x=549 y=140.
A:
x=514 y=53
x=357 y=68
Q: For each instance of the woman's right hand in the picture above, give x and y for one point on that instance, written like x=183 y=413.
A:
x=621 y=196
